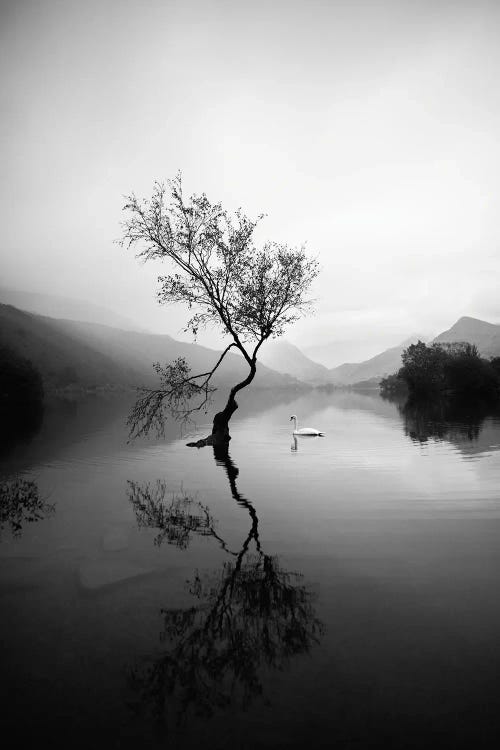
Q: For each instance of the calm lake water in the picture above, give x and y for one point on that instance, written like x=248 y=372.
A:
x=338 y=591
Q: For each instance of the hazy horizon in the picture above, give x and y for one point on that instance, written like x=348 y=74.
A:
x=59 y=307
x=367 y=130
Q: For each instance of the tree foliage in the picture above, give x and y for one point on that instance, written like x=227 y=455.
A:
x=393 y=385
x=250 y=294
x=465 y=371
x=423 y=367
x=456 y=367
x=495 y=363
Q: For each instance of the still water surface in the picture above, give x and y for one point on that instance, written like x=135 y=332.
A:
x=338 y=591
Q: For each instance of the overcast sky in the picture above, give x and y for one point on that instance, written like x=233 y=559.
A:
x=368 y=129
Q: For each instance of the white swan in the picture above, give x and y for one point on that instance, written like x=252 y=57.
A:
x=306 y=431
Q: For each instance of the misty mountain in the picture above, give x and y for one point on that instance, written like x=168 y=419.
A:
x=333 y=353
x=486 y=336
x=385 y=363
x=85 y=354
x=59 y=358
x=54 y=306
x=288 y=359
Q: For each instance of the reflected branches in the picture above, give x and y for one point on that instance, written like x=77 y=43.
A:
x=20 y=504
x=250 y=615
x=177 y=519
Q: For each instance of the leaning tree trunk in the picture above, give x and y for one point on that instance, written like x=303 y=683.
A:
x=220 y=428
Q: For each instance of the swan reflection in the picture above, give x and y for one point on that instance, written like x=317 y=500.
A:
x=249 y=615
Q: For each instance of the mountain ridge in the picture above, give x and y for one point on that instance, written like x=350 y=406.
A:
x=90 y=354
x=385 y=363
x=59 y=307
x=485 y=335
x=286 y=358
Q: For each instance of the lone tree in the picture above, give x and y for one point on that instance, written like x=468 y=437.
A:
x=250 y=294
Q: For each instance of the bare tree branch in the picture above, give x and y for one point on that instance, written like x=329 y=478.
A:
x=178 y=390
x=249 y=294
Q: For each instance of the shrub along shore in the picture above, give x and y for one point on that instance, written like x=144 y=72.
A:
x=447 y=369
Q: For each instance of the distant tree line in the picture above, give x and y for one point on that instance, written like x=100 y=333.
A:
x=456 y=369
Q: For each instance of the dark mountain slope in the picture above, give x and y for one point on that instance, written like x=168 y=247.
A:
x=289 y=359
x=60 y=359
x=88 y=354
x=139 y=350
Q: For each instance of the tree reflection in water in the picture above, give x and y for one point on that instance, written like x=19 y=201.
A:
x=452 y=419
x=20 y=504
x=175 y=521
x=251 y=614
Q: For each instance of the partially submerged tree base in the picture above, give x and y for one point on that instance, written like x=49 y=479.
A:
x=220 y=431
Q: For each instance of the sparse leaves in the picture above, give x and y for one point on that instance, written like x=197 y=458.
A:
x=180 y=395
x=250 y=294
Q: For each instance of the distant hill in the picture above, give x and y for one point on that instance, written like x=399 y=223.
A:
x=59 y=358
x=485 y=335
x=367 y=385
x=335 y=352
x=288 y=359
x=85 y=354
x=54 y=306
x=72 y=353
x=382 y=364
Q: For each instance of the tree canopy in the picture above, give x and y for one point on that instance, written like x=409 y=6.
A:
x=456 y=368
